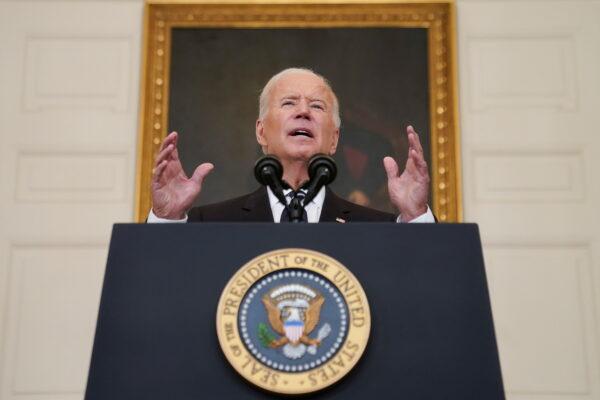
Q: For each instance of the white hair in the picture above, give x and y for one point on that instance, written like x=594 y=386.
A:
x=264 y=99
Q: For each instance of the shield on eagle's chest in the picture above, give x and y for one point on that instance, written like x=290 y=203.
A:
x=293 y=330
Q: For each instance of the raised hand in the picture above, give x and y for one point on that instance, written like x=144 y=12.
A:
x=409 y=191
x=173 y=193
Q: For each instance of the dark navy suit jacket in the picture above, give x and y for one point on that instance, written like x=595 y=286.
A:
x=255 y=207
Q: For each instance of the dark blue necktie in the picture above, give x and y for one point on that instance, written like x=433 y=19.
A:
x=295 y=207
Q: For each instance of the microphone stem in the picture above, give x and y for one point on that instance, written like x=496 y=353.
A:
x=274 y=184
x=316 y=185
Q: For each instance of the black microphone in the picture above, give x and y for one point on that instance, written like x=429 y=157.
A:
x=268 y=171
x=321 y=171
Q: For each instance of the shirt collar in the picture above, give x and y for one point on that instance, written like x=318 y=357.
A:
x=317 y=200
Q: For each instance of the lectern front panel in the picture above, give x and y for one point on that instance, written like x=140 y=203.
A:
x=432 y=334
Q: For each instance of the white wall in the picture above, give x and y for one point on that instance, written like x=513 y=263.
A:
x=69 y=91
x=529 y=95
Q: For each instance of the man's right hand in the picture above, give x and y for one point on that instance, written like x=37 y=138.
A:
x=173 y=193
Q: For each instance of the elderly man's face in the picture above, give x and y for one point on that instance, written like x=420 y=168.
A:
x=299 y=121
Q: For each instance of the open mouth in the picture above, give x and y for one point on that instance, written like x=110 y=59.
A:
x=301 y=132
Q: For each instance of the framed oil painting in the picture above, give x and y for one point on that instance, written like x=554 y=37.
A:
x=390 y=64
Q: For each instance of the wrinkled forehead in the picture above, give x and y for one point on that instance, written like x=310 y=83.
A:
x=302 y=84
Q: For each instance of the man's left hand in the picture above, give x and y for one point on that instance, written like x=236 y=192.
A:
x=409 y=191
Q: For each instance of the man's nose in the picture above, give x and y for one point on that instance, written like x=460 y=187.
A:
x=303 y=110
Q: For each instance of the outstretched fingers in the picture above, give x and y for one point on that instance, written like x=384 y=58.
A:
x=201 y=172
x=170 y=139
x=391 y=167
x=164 y=154
x=167 y=153
x=416 y=157
x=158 y=171
x=413 y=139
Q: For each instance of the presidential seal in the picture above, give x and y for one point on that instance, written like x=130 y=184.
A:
x=293 y=321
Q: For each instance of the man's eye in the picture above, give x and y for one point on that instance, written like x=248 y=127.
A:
x=287 y=103
x=318 y=106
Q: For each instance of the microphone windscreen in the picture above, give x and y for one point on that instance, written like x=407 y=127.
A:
x=322 y=161
x=265 y=165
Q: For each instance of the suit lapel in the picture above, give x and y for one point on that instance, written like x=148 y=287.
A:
x=334 y=208
x=257 y=207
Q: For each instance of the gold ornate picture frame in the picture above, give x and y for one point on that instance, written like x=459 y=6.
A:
x=436 y=17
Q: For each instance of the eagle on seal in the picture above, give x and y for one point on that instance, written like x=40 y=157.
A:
x=293 y=312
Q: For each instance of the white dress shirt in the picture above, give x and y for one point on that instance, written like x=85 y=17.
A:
x=313 y=210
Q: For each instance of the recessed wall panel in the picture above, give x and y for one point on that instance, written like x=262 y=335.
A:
x=71 y=177
x=528 y=176
x=509 y=72
x=77 y=71
x=55 y=292
x=542 y=304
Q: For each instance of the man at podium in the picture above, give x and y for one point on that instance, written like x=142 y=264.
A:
x=298 y=118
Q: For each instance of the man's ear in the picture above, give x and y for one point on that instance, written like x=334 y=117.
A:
x=334 y=142
x=260 y=136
